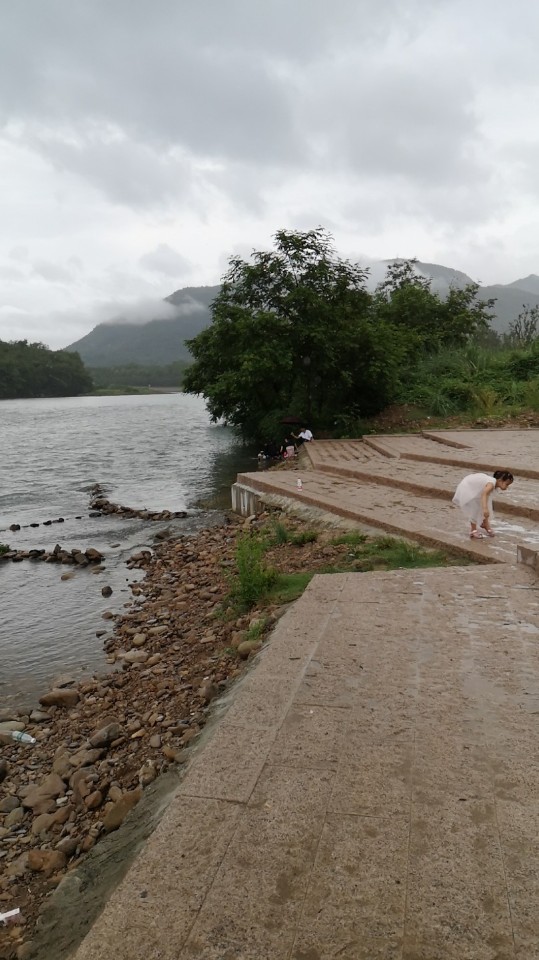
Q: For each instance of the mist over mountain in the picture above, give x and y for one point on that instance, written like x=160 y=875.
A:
x=152 y=341
x=138 y=337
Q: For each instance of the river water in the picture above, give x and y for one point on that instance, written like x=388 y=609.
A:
x=157 y=452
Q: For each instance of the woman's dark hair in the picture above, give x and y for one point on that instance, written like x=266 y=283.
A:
x=503 y=475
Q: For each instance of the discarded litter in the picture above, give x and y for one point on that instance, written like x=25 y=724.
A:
x=10 y=915
x=22 y=737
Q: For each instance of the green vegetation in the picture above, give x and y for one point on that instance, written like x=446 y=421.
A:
x=295 y=331
x=386 y=553
x=32 y=370
x=4 y=548
x=256 y=582
x=138 y=375
x=476 y=381
x=253 y=579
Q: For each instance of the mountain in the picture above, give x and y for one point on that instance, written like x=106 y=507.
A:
x=510 y=298
x=155 y=342
x=163 y=341
x=530 y=283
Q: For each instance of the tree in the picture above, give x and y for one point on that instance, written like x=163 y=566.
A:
x=525 y=329
x=405 y=299
x=292 y=333
x=32 y=370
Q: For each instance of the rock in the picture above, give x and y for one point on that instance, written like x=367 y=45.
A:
x=155 y=741
x=115 y=816
x=103 y=736
x=39 y=716
x=41 y=798
x=115 y=793
x=94 y=800
x=157 y=631
x=67 y=845
x=135 y=656
x=43 y=823
x=107 y=615
x=147 y=773
x=8 y=804
x=155 y=658
x=106 y=591
x=62 y=766
x=208 y=691
x=4 y=769
x=139 y=640
x=247 y=647
x=67 y=576
x=14 y=527
x=25 y=951
x=60 y=698
x=14 y=818
x=46 y=861
x=4 y=832
x=9 y=725
x=86 y=758
x=93 y=555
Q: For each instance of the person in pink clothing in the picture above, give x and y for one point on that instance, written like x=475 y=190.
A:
x=474 y=497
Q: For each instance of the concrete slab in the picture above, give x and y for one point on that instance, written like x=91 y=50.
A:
x=386 y=809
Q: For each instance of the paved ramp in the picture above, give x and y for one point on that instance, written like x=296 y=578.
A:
x=371 y=793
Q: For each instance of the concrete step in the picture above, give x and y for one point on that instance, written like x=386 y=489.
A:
x=355 y=460
x=418 y=516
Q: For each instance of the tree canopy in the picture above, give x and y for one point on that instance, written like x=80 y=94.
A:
x=295 y=331
x=32 y=370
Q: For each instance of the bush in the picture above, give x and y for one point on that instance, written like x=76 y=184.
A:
x=253 y=579
x=4 y=548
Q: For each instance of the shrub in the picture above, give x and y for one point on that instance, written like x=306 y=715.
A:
x=253 y=579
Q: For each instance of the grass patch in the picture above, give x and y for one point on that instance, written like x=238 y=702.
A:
x=387 y=553
x=307 y=536
x=279 y=534
x=4 y=548
x=290 y=586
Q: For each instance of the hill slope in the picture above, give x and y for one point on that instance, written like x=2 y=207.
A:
x=156 y=342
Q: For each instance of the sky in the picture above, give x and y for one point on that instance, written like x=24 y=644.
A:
x=144 y=143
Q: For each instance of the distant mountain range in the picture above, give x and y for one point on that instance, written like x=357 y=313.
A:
x=163 y=341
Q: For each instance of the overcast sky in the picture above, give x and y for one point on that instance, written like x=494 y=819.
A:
x=142 y=143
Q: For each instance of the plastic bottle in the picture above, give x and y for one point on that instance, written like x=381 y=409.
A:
x=22 y=737
x=299 y=484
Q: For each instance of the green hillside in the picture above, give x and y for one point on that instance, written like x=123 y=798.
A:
x=154 y=343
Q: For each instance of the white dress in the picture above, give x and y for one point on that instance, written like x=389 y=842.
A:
x=468 y=496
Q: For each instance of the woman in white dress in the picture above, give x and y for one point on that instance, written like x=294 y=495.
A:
x=474 y=497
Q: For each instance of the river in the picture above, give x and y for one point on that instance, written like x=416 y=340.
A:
x=158 y=452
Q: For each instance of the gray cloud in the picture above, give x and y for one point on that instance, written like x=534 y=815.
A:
x=53 y=272
x=167 y=262
x=403 y=127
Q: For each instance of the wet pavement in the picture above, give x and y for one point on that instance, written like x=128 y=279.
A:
x=371 y=790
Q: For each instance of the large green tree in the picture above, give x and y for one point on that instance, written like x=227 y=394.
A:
x=293 y=333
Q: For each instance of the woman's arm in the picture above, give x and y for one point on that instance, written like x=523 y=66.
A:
x=487 y=490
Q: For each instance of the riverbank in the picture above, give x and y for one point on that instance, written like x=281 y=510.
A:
x=179 y=643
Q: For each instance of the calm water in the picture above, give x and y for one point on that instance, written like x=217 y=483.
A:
x=159 y=452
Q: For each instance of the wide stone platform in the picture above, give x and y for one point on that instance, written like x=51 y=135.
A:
x=371 y=791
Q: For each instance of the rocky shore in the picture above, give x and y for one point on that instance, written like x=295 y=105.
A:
x=100 y=742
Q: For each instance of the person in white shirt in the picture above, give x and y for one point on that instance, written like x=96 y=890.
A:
x=304 y=436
